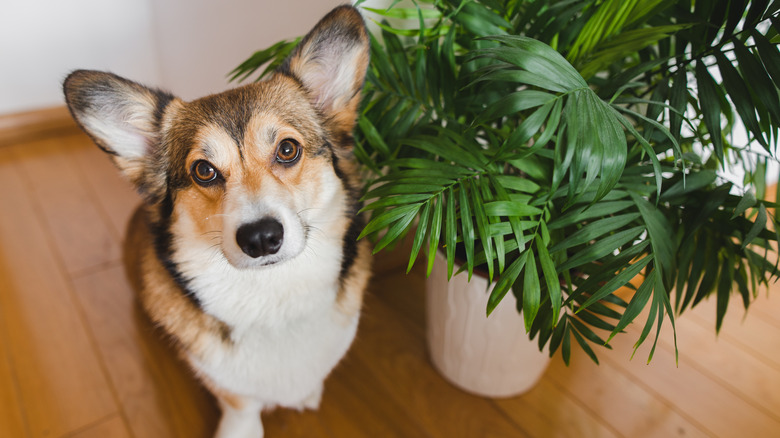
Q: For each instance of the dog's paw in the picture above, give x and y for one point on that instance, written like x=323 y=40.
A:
x=240 y=424
x=312 y=402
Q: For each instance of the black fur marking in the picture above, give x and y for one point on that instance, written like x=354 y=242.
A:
x=163 y=99
x=232 y=111
x=350 y=246
x=327 y=150
x=328 y=147
x=99 y=143
x=347 y=140
x=162 y=247
x=349 y=250
x=352 y=192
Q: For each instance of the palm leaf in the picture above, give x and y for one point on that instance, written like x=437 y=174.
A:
x=587 y=172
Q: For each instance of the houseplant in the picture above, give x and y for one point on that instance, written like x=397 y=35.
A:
x=569 y=147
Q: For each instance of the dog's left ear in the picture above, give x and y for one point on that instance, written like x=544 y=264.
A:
x=331 y=63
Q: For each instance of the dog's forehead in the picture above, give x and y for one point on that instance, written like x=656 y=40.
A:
x=254 y=110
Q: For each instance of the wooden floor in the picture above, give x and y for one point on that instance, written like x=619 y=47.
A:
x=78 y=359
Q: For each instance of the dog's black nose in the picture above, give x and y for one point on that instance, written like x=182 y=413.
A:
x=260 y=238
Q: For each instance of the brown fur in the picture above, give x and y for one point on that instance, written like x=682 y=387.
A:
x=191 y=328
x=350 y=297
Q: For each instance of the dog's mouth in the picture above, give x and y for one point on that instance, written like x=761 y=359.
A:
x=240 y=260
x=243 y=262
x=243 y=255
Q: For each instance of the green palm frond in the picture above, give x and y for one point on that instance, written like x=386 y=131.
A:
x=575 y=148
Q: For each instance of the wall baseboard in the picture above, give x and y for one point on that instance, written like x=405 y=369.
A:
x=35 y=125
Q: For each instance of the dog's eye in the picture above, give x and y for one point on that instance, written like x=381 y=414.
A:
x=204 y=172
x=288 y=151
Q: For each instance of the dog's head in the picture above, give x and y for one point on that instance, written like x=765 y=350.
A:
x=254 y=168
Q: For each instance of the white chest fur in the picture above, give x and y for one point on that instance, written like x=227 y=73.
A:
x=286 y=331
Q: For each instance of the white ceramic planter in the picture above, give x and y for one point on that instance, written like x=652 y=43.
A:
x=487 y=356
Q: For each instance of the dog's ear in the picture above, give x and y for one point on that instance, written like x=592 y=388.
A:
x=122 y=117
x=331 y=63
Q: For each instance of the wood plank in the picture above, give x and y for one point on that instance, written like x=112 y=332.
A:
x=724 y=362
x=112 y=427
x=404 y=297
x=544 y=411
x=352 y=405
x=767 y=306
x=620 y=402
x=752 y=333
x=157 y=393
x=11 y=416
x=625 y=405
x=292 y=424
x=715 y=408
x=557 y=411
x=155 y=407
x=61 y=382
x=194 y=412
x=397 y=359
x=79 y=231
x=368 y=408
x=115 y=196
x=51 y=377
x=547 y=411
x=35 y=125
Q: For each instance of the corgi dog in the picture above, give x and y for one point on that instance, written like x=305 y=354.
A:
x=245 y=249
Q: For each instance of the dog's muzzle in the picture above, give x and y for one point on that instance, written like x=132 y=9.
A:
x=260 y=238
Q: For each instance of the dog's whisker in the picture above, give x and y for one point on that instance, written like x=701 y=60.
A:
x=309 y=209
x=312 y=232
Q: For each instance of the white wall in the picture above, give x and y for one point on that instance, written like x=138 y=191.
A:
x=200 y=41
x=184 y=46
x=42 y=40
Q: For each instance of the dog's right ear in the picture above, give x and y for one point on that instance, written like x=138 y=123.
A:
x=121 y=116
